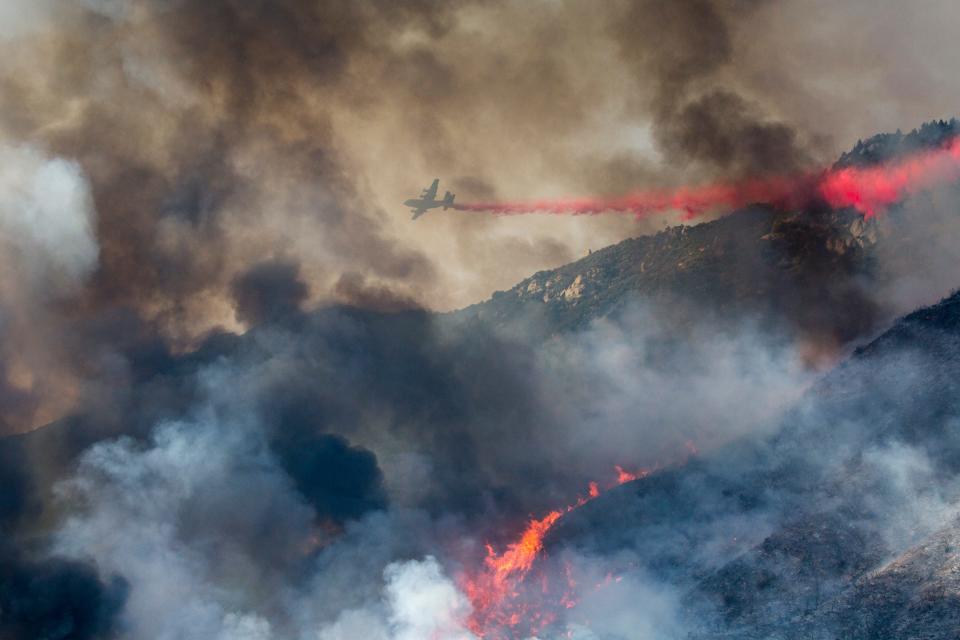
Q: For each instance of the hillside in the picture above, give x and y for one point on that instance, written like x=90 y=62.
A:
x=841 y=522
x=804 y=273
x=477 y=422
x=884 y=147
x=776 y=266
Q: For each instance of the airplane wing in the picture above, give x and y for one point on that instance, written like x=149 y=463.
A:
x=430 y=193
x=417 y=213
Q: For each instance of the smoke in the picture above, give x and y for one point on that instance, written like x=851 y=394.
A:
x=870 y=190
x=625 y=606
x=419 y=602
x=140 y=505
x=353 y=470
x=56 y=598
x=682 y=48
x=48 y=251
x=362 y=444
x=20 y=18
x=165 y=515
x=204 y=520
x=46 y=218
x=423 y=603
x=207 y=141
x=268 y=292
x=187 y=189
x=639 y=384
x=219 y=136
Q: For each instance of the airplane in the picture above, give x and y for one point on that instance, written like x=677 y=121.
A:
x=428 y=200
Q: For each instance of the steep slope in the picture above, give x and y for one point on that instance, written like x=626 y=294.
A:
x=884 y=147
x=916 y=595
x=786 y=268
x=809 y=273
x=760 y=536
x=819 y=530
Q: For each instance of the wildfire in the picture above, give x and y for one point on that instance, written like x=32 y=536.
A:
x=499 y=604
x=626 y=476
x=869 y=190
x=494 y=592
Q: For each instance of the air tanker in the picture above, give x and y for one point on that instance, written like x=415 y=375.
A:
x=428 y=200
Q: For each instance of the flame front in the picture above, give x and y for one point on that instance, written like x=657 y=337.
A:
x=496 y=593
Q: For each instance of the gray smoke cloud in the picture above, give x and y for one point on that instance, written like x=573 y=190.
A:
x=210 y=515
x=221 y=136
x=202 y=520
x=637 y=383
x=162 y=509
x=175 y=173
x=227 y=134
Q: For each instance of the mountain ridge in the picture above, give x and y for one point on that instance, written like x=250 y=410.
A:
x=804 y=530
x=827 y=568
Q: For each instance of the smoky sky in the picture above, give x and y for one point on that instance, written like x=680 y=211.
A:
x=218 y=134
x=212 y=303
x=268 y=291
x=229 y=165
x=681 y=47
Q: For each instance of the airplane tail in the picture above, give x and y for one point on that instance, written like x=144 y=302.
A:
x=448 y=200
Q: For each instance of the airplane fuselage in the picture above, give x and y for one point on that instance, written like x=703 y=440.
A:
x=428 y=200
x=415 y=203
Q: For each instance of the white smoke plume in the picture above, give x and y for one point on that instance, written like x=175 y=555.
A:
x=46 y=217
x=419 y=602
x=48 y=249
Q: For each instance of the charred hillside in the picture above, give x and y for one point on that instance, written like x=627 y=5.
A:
x=835 y=526
x=818 y=521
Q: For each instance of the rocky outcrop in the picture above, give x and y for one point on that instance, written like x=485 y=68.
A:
x=799 y=270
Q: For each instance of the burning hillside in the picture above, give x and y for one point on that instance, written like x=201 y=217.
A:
x=244 y=397
x=506 y=600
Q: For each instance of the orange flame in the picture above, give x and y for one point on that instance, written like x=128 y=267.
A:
x=594 y=490
x=626 y=476
x=494 y=591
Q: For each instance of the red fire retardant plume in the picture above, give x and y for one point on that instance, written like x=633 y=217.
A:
x=869 y=190
x=874 y=189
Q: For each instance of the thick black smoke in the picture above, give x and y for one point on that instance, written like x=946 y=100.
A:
x=340 y=482
x=683 y=49
x=398 y=429
x=19 y=496
x=56 y=599
x=268 y=292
